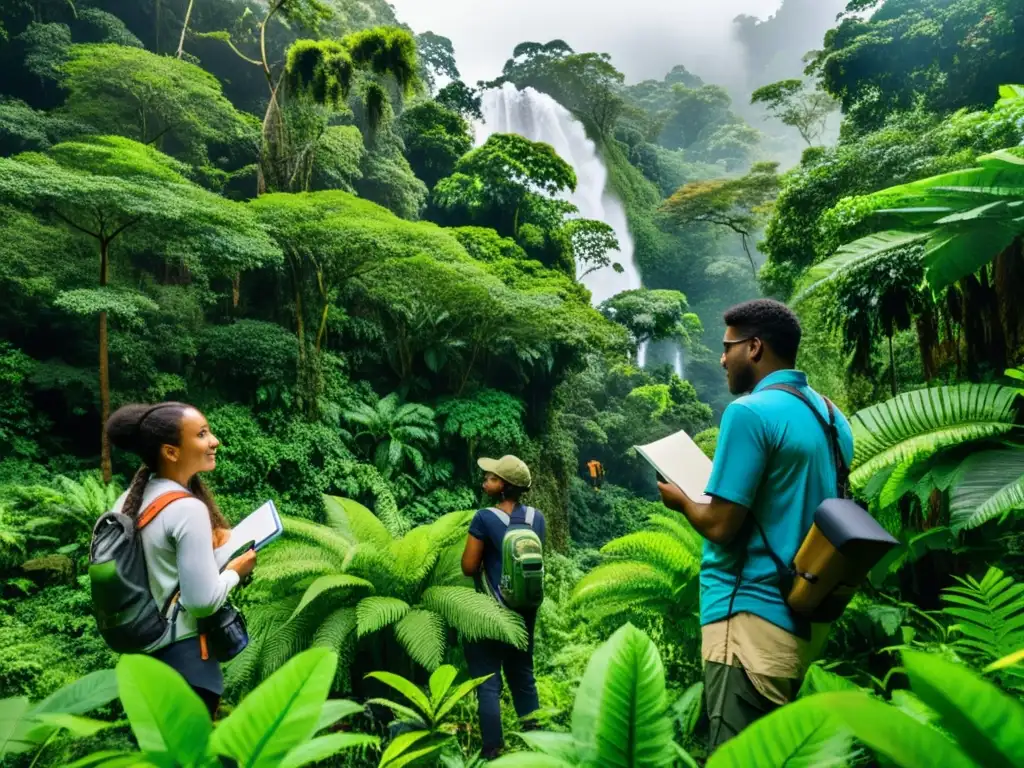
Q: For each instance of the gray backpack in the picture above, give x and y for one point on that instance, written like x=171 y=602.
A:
x=127 y=616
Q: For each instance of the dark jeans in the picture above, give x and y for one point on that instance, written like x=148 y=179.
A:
x=490 y=657
x=733 y=703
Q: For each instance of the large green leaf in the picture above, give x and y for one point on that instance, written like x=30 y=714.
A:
x=166 y=715
x=321 y=748
x=355 y=522
x=803 y=734
x=987 y=723
x=819 y=680
x=412 y=746
x=954 y=252
x=552 y=744
x=893 y=733
x=687 y=709
x=992 y=486
x=620 y=716
x=12 y=716
x=532 y=760
x=464 y=689
x=853 y=257
x=335 y=710
x=280 y=714
x=441 y=682
x=407 y=689
x=83 y=695
x=916 y=424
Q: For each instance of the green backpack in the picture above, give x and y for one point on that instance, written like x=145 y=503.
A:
x=522 y=561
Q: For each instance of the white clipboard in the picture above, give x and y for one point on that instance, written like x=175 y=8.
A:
x=680 y=461
x=261 y=527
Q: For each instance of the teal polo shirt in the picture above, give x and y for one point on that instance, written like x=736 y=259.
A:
x=773 y=458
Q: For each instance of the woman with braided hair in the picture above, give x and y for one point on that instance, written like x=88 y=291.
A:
x=175 y=444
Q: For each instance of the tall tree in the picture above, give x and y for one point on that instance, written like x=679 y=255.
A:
x=740 y=204
x=796 y=106
x=129 y=198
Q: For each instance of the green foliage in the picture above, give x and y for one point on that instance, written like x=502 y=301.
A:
x=346 y=584
x=396 y=431
x=274 y=725
x=152 y=99
x=987 y=616
x=794 y=105
x=647 y=573
x=426 y=713
x=621 y=713
x=651 y=315
x=435 y=138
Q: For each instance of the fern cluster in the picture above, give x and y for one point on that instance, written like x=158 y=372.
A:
x=653 y=571
x=338 y=584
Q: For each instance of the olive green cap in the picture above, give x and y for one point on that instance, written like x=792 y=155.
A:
x=511 y=469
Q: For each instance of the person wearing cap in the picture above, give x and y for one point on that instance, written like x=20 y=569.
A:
x=505 y=481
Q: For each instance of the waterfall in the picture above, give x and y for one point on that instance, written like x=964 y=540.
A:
x=538 y=117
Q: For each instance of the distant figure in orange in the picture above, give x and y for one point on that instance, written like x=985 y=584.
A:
x=596 y=473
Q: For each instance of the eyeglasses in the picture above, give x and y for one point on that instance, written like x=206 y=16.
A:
x=727 y=344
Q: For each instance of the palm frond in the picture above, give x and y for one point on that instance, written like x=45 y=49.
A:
x=680 y=527
x=451 y=528
x=992 y=486
x=375 y=613
x=447 y=570
x=476 y=616
x=917 y=424
x=422 y=634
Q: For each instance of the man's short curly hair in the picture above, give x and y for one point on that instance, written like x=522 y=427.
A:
x=769 y=320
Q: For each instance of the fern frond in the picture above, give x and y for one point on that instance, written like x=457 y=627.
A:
x=989 y=614
x=451 y=528
x=376 y=566
x=476 y=616
x=375 y=613
x=625 y=584
x=422 y=634
x=662 y=550
x=299 y=530
x=278 y=578
x=354 y=522
x=337 y=588
x=415 y=554
x=447 y=571
x=338 y=632
x=680 y=527
x=917 y=424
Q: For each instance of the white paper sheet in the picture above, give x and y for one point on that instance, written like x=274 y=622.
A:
x=681 y=462
x=262 y=526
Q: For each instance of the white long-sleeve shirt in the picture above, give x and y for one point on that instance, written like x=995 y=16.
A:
x=178 y=546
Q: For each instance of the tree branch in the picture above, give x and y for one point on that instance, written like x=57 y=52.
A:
x=70 y=223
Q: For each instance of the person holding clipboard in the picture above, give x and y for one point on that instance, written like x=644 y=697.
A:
x=179 y=525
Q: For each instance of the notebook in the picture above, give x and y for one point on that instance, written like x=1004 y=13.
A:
x=680 y=461
x=258 y=529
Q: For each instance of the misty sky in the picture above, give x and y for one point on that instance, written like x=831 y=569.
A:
x=646 y=38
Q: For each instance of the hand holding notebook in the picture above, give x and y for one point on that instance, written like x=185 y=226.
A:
x=256 y=531
x=680 y=461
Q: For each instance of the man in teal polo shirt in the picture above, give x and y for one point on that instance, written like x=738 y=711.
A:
x=773 y=463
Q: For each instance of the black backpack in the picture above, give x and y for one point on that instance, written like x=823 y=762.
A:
x=127 y=615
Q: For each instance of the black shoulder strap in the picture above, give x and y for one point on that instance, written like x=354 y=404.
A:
x=831 y=434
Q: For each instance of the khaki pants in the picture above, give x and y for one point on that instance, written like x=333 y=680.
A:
x=752 y=667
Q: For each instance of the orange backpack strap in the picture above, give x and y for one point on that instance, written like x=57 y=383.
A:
x=158 y=505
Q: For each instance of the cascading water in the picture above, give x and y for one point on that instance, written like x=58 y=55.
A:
x=538 y=117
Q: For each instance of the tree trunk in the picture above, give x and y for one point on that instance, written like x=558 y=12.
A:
x=892 y=368
x=928 y=342
x=1008 y=278
x=105 y=462
x=184 y=28
x=983 y=331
